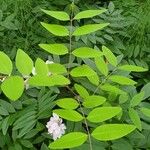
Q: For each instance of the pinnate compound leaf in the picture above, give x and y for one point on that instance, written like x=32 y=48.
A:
x=89 y=14
x=82 y=71
x=24 y=63
x=112 y=89
x=86 y=29
x=56 y=49
x=145 y=111
x=101 y=114
x=122 y=80
x=93 y=101
x=101 y=65
x=86 y=52
x=70 y=115
x=135 y=118
x=55 y=29
x=81 y=90
x=5 y=64
x=13 y=87
x=41 y=67
x=109 y=56
x=70 y=140
x=53 y=80
x=109 y=132
x=55 y=68
x=137 y=99
x=132 y=68
x=67 y=103
x=60 y=15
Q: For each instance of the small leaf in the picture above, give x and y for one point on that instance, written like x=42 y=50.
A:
x=122 y=80
x=93 y=101
x=55 y=68
x=137 y=99
x=13 y=87
x=101 y=114
x=24 y=63
x=70 y=115
x=70 y=140
x=145 y=111
x=5 y=64
x=86 y=29
x=86 y=52
x=53 y=80
x=112 y=89
x=101 y=65
x=109 y=56
x=82 y=71
x=81 y=91
x=146 y=90
x=56 y=49
x=57 y=30
x=67 y=103
x=89 y=14
x=60 y=15
x=94 y=79
x=41 y=67
x=135 y=118
x=132 y=68
x=109 y=132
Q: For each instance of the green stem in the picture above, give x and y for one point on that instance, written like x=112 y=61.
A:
x=82 y=111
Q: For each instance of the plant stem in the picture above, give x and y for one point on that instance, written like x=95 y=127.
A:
x=70 y=42
x=107 y=77
x=85 y=121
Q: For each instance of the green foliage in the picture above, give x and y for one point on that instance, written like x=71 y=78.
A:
x=5 y=63
x=70 y=140
x=112 y=131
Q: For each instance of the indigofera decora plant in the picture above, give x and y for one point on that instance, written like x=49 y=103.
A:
x=91 y=76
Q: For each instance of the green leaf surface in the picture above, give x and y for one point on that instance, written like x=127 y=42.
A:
x=70 y=115
x=5 y=64
x=135 y=118
x=55 y=29
x=94 y=79
x=70 y=140
x=13 y=87
x=89 y=14
x=81 y=90
x=86 y=52
x=122 y=80
x=53 y=80
x=112 y=89
x=137 y=99
x=60 y=15
x=145 y=111
x=67 y=103
x=132 y=68
x=82 y=71
x=101 y=114
x=101 y=65
x=109 y=56
x=56 y=49
x=41 y=67
x=24 y=63
x=146 y=89
x=109 y=132
x=86 y=29
x=55 y=68
x=93 y=101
